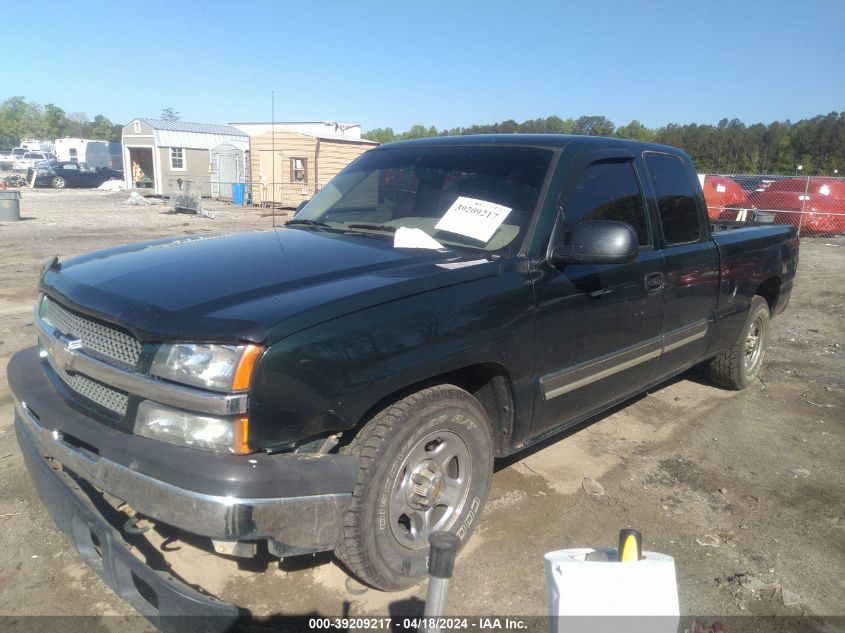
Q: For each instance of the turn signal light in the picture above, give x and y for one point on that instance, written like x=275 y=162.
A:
x=241 y=436
x=243 y=374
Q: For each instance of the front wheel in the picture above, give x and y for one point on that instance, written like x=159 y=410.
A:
x=425 y=465
x=59 y=182
x=738 y=366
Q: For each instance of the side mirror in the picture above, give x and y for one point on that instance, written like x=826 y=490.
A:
x=302 y=204
x=598 y=242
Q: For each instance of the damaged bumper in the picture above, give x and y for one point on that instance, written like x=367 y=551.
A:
x=167 y=602
x=295 y=502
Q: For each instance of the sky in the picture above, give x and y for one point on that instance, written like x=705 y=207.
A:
x=444 y=63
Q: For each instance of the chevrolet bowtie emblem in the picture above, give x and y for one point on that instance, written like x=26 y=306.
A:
x=65 y=354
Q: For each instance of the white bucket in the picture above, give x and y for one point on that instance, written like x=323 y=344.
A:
x=580 y=587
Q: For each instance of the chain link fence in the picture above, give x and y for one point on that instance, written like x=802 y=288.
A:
x=813 y=204
x=278 y=195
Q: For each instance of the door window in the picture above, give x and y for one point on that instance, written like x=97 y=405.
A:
x=607 y=190
x=675 y=199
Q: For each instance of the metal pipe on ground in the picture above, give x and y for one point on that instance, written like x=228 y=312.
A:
x=441 y=564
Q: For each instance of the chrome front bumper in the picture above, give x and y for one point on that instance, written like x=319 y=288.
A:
x=166 y=601
x=297 y=502
x=298 y=524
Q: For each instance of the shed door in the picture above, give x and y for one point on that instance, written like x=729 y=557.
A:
x=227 y=170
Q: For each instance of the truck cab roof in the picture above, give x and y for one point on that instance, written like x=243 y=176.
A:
x=551 y=141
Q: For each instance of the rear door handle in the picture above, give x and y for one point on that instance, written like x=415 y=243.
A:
x=655 y=282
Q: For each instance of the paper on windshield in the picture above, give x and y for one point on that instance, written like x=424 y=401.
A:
x=414 y=238
x=474 y=218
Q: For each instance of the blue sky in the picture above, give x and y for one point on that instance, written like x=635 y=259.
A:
x=441 y=63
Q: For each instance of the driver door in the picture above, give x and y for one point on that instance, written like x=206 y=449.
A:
x=598 y=326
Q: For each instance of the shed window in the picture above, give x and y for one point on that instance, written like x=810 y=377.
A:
x=177 y=158
x=298 y=170
x=136 y=126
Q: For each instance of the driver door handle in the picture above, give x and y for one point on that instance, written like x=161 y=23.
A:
x=655 y=282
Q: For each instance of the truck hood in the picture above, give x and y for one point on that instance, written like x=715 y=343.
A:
x=257 y=286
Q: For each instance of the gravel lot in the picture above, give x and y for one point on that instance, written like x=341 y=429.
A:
x=745 y=489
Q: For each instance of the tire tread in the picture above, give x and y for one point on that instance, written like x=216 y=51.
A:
x=727 y=369
x=366 y=446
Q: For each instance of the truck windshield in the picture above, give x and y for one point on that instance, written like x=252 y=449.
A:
x=480 y=198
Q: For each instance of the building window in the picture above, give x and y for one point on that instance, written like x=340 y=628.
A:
x=137 y=127
x=298 y=170
x=177 y=158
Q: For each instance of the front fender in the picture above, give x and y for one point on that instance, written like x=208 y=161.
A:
x=327 y=377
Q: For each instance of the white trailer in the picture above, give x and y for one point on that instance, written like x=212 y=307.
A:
x=83 y=150
x=34 y=145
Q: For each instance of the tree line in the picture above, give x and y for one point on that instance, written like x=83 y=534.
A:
x=729 y=147
x=20 y=119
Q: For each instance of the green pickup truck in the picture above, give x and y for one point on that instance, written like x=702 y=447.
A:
x=346 y=381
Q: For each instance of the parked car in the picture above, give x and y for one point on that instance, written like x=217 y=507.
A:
x=63 y=174
x=28 y=159
x=816 y=204
x=723 y=196
x=345 y=382
x=12 y=155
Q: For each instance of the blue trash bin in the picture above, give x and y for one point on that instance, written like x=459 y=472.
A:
x=238 y=193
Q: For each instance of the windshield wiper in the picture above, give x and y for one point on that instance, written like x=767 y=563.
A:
x=373 y=227
x=304 y=222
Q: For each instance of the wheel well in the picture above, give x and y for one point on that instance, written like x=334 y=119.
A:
x=488 y=382
x=770 y=291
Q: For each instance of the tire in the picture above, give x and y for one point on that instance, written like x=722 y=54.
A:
x=58 y=182
x=738 y=366
x=425 y=465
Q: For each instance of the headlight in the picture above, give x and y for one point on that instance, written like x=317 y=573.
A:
x=217 y=367
x=163 y=423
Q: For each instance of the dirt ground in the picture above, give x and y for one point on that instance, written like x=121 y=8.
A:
x=745 y=490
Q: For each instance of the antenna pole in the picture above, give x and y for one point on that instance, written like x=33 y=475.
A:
x=273 y=150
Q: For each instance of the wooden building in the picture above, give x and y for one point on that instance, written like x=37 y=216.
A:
x=288 y=167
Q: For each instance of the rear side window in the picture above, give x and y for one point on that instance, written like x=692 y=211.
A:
x=675 y=199
x=607 y=190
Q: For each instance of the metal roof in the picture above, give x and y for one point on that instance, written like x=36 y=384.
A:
x=198 y=128
x=345 y=139
x=320 y=122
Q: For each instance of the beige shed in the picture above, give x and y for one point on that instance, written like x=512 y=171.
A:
x=289 y=167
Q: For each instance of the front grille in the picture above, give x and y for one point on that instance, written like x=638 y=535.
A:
x=104 y=342
x=105 y=396
x=109 y=343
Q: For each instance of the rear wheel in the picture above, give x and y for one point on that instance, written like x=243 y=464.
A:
x=425 y=466
x=738 y=366
x=59 y=182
